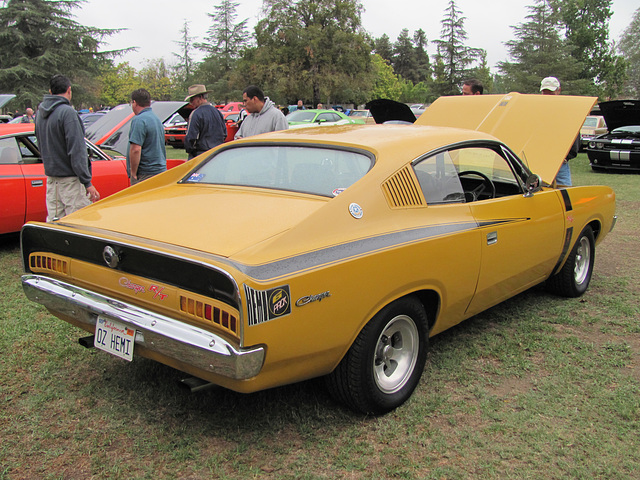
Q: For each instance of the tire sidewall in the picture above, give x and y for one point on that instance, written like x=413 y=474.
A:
x=381 y=402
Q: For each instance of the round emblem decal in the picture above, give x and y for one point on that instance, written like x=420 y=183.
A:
x=356 y=210
x=279 y=303
x=110 y=256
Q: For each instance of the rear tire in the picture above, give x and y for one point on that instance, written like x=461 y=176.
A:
x=384 y=365
x=574 y=277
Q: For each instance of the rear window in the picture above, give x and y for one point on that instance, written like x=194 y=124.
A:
x=314 y=170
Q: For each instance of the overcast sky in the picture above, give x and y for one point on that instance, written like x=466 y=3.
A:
x=154 y=25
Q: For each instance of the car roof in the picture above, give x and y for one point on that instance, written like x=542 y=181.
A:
x=13 y=128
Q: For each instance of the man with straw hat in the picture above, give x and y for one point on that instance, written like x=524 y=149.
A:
x=207 y=128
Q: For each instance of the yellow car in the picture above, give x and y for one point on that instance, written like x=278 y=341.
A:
x=333 y=251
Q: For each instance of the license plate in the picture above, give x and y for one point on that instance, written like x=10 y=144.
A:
x=172 y=139
x=115 y=338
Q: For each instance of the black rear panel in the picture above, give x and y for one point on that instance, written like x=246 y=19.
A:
x=176 y=271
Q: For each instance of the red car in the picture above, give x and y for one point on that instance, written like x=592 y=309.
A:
x=174 y=134
x=231 y=107
x=23 y=182
x=22 y=179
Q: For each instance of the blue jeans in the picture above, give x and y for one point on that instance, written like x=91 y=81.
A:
x=564 y=175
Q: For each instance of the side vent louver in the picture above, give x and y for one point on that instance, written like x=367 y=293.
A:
x=402 y=190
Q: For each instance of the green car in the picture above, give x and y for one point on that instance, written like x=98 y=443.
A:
x=314 y=117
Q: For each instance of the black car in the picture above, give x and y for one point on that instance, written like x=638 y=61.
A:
x=620 y=148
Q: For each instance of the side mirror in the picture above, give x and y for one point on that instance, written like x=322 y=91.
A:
x=533 y=184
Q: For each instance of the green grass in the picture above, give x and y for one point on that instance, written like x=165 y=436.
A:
x=538 y=387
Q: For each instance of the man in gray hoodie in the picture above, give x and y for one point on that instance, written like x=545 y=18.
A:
x=64 y=152
x=264 y=115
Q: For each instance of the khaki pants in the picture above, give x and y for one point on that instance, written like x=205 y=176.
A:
x=65 y=195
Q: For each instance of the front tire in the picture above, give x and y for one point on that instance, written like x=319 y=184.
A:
x=574 y=277
x=384 y=365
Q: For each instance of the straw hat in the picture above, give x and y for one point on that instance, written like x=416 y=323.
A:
x=196 y=90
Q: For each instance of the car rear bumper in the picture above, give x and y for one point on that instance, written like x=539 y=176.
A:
x=194 y=346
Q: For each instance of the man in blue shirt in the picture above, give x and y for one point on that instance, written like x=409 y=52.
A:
x=147 y=156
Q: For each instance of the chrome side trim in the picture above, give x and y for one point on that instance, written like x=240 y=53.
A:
x=192 y=345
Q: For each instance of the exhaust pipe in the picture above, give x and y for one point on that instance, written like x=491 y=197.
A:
x=86 y=342
x=194 y=384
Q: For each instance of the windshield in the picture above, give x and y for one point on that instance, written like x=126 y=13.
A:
x=301 y=116
x=590 y=122
x=627 y=129
x=314 y=170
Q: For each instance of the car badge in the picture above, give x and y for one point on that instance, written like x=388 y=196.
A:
x=356 y=211
x=111 y=257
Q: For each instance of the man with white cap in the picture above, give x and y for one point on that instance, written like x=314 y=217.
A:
x=207 y=128
x=551 y=86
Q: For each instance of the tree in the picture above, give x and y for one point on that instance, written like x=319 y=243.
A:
x=311 y=49
x=224 y=45
x=39 y=38
x=453 y=56
x=539 y=51
x=586 y=24
x=184 y=67
x=386 y=84
x=423 y=69
x=117 y=83
x=225 y=38
x=405 y=62
x=382 y=46
x=629 y=47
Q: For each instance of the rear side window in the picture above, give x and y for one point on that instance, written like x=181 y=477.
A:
x=9 y=152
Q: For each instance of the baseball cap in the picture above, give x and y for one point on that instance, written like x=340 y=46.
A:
x=550 y=83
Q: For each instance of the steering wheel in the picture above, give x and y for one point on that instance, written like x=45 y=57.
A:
x=486 y=184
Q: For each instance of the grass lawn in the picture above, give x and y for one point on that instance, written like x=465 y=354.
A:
x=538 y=387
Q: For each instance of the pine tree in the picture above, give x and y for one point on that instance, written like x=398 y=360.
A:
x=453 y=57
x=540 y=51
x=39 y=39
x=184 y=67
x=629 y=47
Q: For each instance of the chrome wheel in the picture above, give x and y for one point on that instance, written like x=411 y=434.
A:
x=396 y=354
x=582 y=264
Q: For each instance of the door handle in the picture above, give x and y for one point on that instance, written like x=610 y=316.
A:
x=37 y=183
x=492 y=238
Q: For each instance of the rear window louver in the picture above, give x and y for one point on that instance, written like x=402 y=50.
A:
x=402 y=191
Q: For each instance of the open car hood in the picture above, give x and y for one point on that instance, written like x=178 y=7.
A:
x=384 y=110
x=112 y=130
x=620 y=113
x=6 y=98
x=540 y=129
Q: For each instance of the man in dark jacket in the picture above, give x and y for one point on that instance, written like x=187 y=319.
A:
x=207 y=128
x=64 y=152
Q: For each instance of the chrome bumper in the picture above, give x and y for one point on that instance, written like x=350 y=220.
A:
x=177 y=340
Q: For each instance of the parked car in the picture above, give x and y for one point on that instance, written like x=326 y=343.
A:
x=23 y=182
x=22 y=173
x=4 y=99
x=175 y=131
x=91 y=117
x=620 y=148
x=231 y=107
x=593 y=126
x=174 y=134
x=315 y=117
x=363 y=114
x=332 y=251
